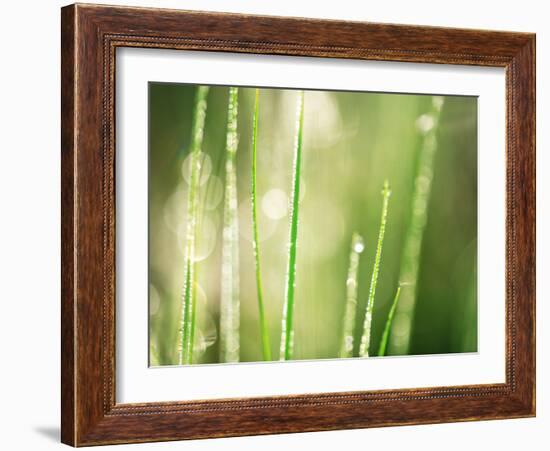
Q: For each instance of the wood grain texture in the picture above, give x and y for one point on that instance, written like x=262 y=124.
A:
x=90 y=36
x=68 y=400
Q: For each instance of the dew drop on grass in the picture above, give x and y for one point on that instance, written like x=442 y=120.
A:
x=205 y=163
x=359 y=245
x=425 y=123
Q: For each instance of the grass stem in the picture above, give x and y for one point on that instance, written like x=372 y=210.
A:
x=357 y=247
x=287 y=331
x=188 y=314
x=264 y=331
x=365 y=339
x=427 y=125
x=387 y=328
x=230 y=305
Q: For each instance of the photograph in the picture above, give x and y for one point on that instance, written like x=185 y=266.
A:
x=298 y=224
x=284 y=223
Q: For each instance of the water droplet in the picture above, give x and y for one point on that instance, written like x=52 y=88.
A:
x=348 y=343
x=205 y=165
x=425 y=123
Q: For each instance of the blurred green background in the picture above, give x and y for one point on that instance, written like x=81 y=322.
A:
x=352 y=143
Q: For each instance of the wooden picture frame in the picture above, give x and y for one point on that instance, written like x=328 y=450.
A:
x=90 y=36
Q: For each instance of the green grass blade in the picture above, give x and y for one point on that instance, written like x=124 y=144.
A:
x=287 y=331
x=193 y=315
x=264 y=332
x=230 y=305
x=427 y=125
x=365 y=339
x=187 y=326
x=357 y=247
x=387 y=328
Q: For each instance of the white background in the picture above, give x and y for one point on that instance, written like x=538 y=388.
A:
x=138 y=383
x=29 y=187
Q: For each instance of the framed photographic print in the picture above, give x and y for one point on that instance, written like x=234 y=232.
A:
x=279 y=225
